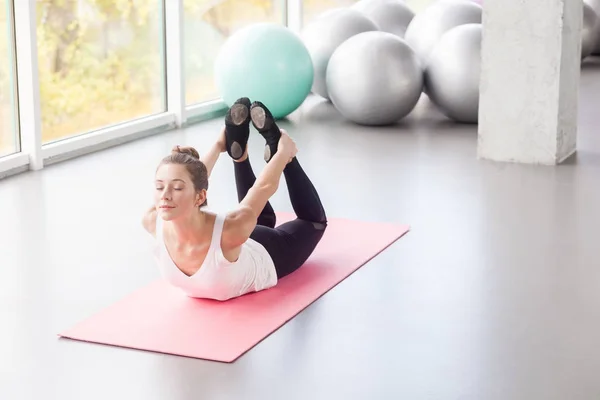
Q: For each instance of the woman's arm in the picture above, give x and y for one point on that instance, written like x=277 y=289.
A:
x=240 y=223
x=210 y=158
x=212 y=155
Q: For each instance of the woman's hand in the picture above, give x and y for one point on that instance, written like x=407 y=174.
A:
x=286 y=146
x=221 y=144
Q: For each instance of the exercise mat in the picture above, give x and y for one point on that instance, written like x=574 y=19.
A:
x=160 y=318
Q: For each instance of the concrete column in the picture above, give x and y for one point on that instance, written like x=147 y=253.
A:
x=530 y=67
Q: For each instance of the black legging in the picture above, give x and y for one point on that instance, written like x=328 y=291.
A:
x=291 y=243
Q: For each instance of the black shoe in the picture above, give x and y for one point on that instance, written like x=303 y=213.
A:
x=263 y=121
x=237 y=128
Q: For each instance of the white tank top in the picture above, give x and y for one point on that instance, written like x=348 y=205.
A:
x=218 y=278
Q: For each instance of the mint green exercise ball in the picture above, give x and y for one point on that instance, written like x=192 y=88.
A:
x=265 y=62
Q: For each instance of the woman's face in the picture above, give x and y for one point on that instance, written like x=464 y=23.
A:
x=175 y=195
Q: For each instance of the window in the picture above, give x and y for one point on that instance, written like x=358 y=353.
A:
x=419 y=5
x=101 y=62
x=208 y=24
x=9 y=133
x=313 y=8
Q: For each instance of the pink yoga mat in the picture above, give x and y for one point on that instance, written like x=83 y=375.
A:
x=162 y=319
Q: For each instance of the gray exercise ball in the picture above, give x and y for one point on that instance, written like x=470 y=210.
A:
x=374 y=78
x=588 y=31
x=428 y=26
x=595 y=4
x=452 y=74
x=391 y=16
x=323 y=35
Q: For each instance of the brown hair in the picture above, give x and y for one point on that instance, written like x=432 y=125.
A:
x=189 y=157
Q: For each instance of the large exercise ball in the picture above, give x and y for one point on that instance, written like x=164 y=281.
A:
x=324 y=34
x=391 y=16
x=588 y=31
x=265 y=62
x=595 y=4
x=428 y=26
x=374 y=78
x=452 y=74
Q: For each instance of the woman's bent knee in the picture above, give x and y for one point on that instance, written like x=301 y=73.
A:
x=320 y=226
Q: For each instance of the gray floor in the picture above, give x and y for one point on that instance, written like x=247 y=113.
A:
x=494 y=295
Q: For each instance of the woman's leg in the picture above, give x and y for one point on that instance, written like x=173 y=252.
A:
x=297 y=239
x=303 y=195
x=237 y=131
x=290 y=244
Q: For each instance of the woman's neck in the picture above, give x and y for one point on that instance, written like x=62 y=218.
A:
x=189 y=231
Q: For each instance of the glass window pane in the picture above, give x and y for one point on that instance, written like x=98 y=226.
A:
x=313 y=8
x=9 y=137
x=419 y=5
x=208 y=24
x=101 y=62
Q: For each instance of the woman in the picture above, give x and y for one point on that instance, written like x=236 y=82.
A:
x=222 y=256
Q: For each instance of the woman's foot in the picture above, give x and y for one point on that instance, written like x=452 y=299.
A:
x=237 y=128
x=263 y=121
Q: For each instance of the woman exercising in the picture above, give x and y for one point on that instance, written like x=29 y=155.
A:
x=222 y=256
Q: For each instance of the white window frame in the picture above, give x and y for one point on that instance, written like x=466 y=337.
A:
x=294 y=14
x=27 y=90
x=34 y=155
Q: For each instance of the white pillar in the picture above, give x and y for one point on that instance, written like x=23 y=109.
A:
x=530 y=67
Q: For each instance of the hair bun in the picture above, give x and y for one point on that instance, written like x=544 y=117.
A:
x=186 y=150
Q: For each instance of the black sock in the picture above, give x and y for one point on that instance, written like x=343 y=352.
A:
x=237 y=128
x=263 y=121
